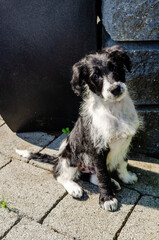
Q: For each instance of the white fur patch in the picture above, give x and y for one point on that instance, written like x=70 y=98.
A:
x=105 y=93
x=128 y=177
x=23 y=153
x=125 y=175
x=110 y=205
x=72 y=188
x=66 y=172
x=118 y=152
x=67 y=175
x=93 y=179
x=109 y=121
x=63 y=145
x=108 y=96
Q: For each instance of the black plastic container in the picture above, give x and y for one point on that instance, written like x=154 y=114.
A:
x=39 y=42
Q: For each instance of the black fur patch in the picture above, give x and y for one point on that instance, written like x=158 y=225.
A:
x=78 y=144
x=43 y=157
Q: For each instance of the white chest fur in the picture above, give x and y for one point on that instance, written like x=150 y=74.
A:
x=112 y=123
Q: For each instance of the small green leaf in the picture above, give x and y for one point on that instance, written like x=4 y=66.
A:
x=67 y=131
x=63 y=130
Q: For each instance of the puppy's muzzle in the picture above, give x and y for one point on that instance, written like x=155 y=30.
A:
x=116 y=90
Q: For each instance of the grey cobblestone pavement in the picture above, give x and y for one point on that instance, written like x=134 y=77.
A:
x=39 y=208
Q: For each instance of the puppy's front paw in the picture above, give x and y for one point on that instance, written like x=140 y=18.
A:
x=128 y=177
x=75 y=190
x=109 y=203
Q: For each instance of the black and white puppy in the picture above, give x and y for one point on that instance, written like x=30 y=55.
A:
x=102 y=134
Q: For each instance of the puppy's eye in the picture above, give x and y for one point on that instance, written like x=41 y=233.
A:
x=95 y=77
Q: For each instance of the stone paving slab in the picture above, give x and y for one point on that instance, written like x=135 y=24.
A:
x=1 y=122
x=32 y=141
x=7 y=220
x=53 y=147
x=46 y=166
x=31 y=190
x=147 y=170
x=143 y=222
x=27 y=230
x=4 y=160
x=85 y=220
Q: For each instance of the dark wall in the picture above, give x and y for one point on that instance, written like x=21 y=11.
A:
x=134 y=25
x=40 y=40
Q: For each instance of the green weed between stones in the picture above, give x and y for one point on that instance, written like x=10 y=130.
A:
x=66 y=130
x=3 y=204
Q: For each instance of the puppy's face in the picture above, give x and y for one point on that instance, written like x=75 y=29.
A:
x=103 y=73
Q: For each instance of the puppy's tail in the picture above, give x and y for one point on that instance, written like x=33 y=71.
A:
x=37 y=156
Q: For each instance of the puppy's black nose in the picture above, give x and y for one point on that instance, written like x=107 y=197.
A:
x=116 y=91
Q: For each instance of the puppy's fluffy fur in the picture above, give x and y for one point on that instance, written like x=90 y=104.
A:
x=102 y=134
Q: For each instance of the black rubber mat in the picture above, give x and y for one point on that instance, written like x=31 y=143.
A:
x=40 y=40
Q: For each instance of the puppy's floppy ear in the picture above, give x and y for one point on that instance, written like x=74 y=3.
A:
x=118 y=54
x=79 y=77
x=126 y=60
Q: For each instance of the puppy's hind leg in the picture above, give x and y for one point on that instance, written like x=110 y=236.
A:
x=65 y=174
